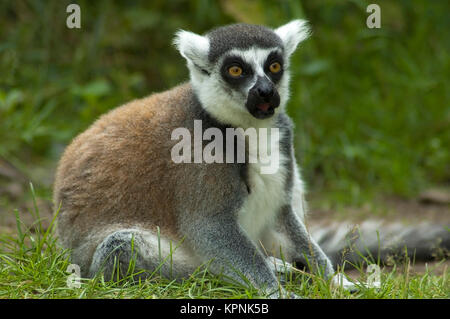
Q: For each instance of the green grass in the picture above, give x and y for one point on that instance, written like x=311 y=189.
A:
x=32 y=265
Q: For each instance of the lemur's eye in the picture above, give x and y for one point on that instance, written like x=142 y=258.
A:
x=275 y=67
x=235 y=71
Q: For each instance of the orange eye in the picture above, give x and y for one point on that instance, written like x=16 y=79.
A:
x=235 y=71
x=275 y=67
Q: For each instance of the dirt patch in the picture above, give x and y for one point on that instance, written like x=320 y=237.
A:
x=389 y=209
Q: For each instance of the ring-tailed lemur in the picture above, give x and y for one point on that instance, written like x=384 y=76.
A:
x=122 y=196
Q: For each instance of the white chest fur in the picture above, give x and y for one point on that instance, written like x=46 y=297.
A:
x=267 y=192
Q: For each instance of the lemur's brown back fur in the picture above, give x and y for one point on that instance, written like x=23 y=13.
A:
x=118 y=170
x=119 y=174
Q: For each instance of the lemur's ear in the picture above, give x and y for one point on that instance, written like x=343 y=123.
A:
x=193 y=47
x=292 y=34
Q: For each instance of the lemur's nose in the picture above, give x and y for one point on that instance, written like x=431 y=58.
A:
x=265 y=92
x=264 y=88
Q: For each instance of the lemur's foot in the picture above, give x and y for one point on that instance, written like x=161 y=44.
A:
x=279 y=266
x=339 y=280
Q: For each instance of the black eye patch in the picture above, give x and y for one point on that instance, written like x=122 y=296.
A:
x=273 y=57
x=236 y=81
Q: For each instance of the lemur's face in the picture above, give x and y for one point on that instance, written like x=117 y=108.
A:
x=240 y=72
x=251 y=78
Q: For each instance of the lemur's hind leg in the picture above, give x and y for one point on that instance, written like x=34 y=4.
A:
x=141 y=252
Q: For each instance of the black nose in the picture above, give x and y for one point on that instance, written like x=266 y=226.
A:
x=265 y=92
x=264 y=88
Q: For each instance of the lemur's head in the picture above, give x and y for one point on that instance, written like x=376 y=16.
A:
x=240 y=72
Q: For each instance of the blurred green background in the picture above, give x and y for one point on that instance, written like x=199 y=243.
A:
x=371 y=106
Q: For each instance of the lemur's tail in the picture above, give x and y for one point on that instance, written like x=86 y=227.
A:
x=381 y=240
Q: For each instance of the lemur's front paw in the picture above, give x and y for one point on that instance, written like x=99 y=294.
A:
x=339 y=280
x=280 y=266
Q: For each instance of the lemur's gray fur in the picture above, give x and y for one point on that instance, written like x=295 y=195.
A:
x=240 y=36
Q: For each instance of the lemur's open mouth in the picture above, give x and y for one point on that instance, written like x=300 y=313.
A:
x=263 y=106
x=263 y=110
